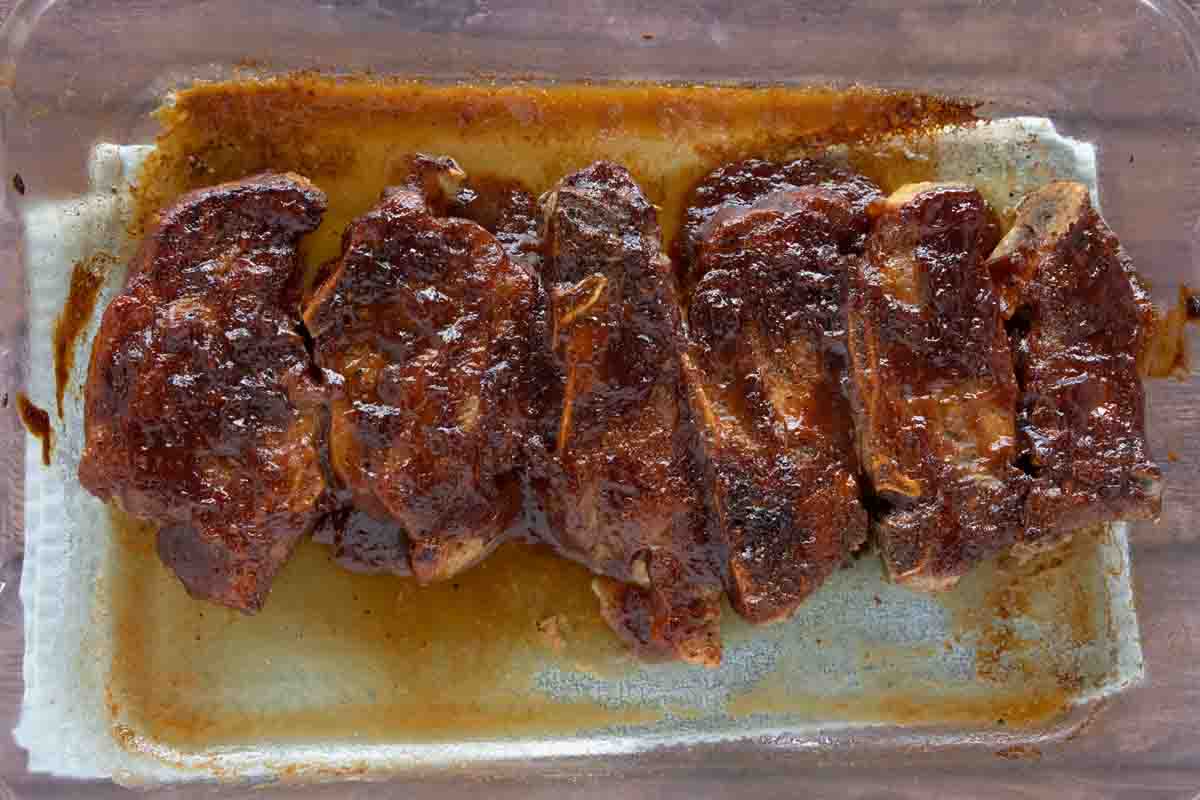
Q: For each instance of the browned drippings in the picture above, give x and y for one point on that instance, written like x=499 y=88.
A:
x=1165 y=352
x=37 y=422
x=1020 y=591
x=351 y=137
x=87 y=278
x=336 y=655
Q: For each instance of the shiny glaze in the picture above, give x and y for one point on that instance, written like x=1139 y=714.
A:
x=765 y=364
x=1080 y=318
x=933 y=386
x=353 y=137
x=201 y=404
x=423 y=332
x=507 y=210
x=620 y=487
x=671 y=617
x=744 y=183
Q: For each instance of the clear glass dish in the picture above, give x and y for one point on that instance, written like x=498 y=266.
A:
x=1121 y=75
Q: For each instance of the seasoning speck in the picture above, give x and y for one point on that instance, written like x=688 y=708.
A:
x=18 y=183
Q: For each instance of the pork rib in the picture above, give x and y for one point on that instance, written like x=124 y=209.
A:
x=423 y=330
x=1079 y=316
x=764 y=367
x=934 y=389
x=742 y=184
x=620 y=487
x=202 y=411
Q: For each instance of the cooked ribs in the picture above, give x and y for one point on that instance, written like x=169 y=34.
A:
x=480 y=355
x=934 y=390
x=423 y=332
x=370 y=541
x=620 y=489
x=202 y=411
x=764 y=366
x=742 y=184
x=1078 y=317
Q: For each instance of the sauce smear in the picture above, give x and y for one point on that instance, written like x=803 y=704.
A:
x=37 y=422
x=86 y=280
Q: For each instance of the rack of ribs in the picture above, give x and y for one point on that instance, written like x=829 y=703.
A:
x=934 y=390
x=765 y=363
x=423 y=333
x=1078 y=317
x=480 y=356
x=202 y=411
x=618 y=485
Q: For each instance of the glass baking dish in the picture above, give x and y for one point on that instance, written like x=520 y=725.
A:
x=1120 y=75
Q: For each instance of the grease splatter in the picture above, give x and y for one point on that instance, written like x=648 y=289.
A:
x=86 y=280
x=37 y=422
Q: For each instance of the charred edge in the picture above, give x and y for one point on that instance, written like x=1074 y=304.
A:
x=334 y=495
x=1025 y=463
x=1018 y=327
x=333 y=499
x=310 y=347
x=876 y=505
x=681 y=267
x=878 y=508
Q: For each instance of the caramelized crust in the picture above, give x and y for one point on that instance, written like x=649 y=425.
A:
x=764 y=368
x=934 y=390
x=472 y=368
x=423 y=331
x=1078 y=318
x=202 y=410
x=620 y=488
x=744 y=183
